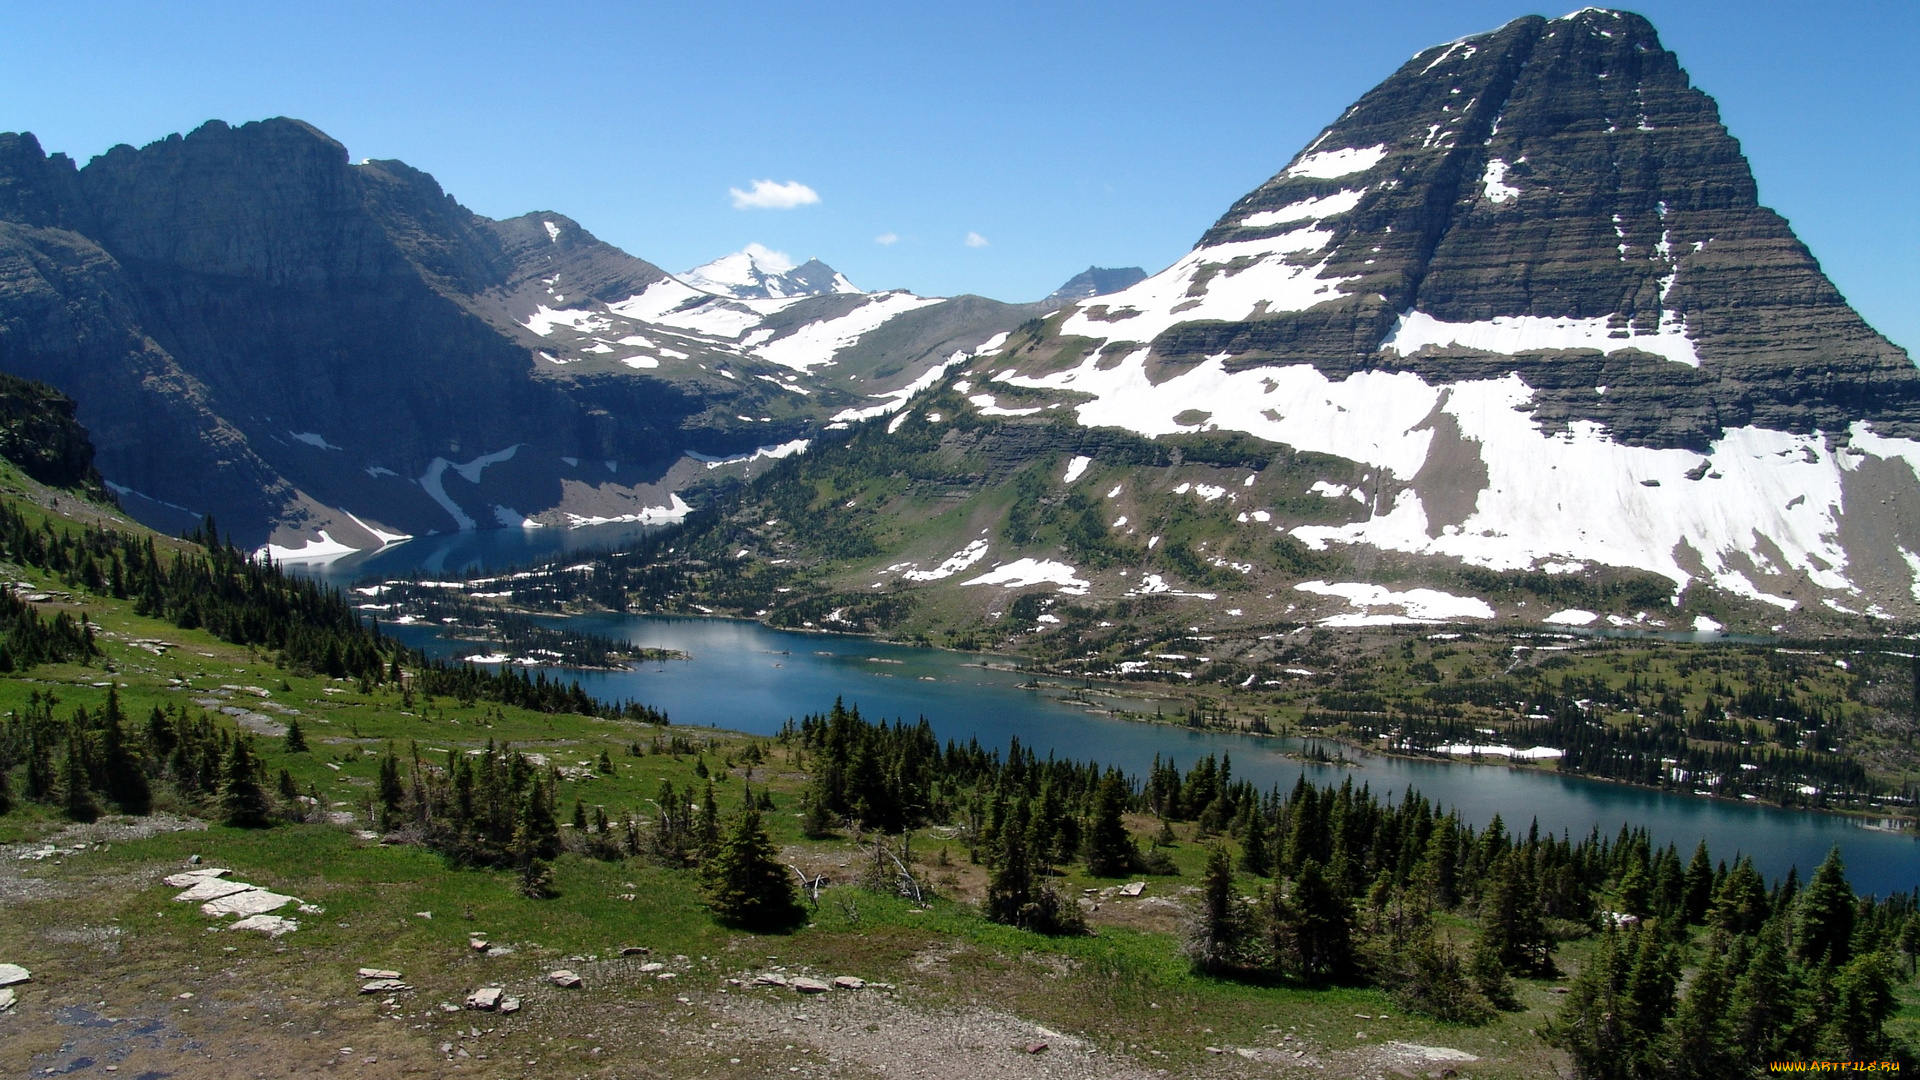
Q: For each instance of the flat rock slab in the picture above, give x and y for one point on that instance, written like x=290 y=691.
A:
x=270 y=925
x=14 y=973
x=213 y=889
x=193 y=877
x=1133 y=888
x=1432 y=1053
x=809 y=986
x=849 y=982
x=758 y=980
x=509 y=1005
x=486 y=999
x=6 y=998
x=253 y=902
x=384 y=986
x=564 y=979
x=378 y=973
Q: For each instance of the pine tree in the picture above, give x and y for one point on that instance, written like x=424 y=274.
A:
x=1490 y=976
x=1511 y=920
x=1699 y=1041
x=296 y=737
x=1697 y=886
x=6 y=793
x=390 y=791
x=1823 y=924
x=1110 y=850
x=1320 y=928
x=1617 y=1008
x=745 y=883
x=1863 y=1001
x=1740 y=903
x=74 y=785
x=1010 y=885
x=1255 y=859
x=1765 y=1001
x=243 y=804
x=126 y=776
x=1216 y=940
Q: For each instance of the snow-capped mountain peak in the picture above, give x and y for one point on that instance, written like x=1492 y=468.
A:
x=760 y=273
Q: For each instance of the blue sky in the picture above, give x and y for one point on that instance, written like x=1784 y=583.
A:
x=1060 y=134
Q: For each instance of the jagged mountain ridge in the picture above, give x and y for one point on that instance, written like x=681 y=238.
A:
x=757 y=273
x=1521 y=305
x=333 y=355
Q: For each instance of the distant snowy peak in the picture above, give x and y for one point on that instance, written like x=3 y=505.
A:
x=760 y=273
x=1096 y=281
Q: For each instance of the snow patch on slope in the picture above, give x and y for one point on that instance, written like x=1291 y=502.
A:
x=815 y=344
x=1575 y=495
x=1232 y=282
x=1022 y=572
x=1306 y=209
x=1526 y=333
x=1333 y=164
x=1416 y=605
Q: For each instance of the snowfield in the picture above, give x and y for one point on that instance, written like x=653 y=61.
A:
x=1526 y=333
x=1416 y=605
x=1023 y=572
x=1767 y=502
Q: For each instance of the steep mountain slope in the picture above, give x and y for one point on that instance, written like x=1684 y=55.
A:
x=335 y=355
x=1512 y=337
x=1526 y=287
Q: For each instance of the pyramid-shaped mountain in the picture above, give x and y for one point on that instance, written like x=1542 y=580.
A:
x=759 y=273
x=1526 y=287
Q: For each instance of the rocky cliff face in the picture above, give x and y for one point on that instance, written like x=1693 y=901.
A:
x=1526 y=287
x=336 y=354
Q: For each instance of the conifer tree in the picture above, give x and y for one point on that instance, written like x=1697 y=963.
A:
x=745 y=883
x=1697 y=887
x=1700 y=1039
x=75 y=787
x=1511 y=920
x=1010 y=885
x=1255 y=859
x=1320 y=927
x=243 y=804
x=1823 y=923
x=125 y=774
x=296 y=737
x=1863 y=1001
x=1216 y=941
x=390 y=791
x=1110 y=850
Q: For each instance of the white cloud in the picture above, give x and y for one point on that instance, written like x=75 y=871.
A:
x=974 y=239
x=767 y=195
x=769 y=260
x=886 y=238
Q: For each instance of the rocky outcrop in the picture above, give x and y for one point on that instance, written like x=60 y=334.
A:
x=38 y=434
x=1095 y=281
x=1526 y=286
x=256 y=327
x=1550 y=173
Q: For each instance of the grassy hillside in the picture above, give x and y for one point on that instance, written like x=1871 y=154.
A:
x=124 y=975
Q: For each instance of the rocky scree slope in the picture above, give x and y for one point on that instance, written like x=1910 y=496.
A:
x=334 y=355
x=1525 y=291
